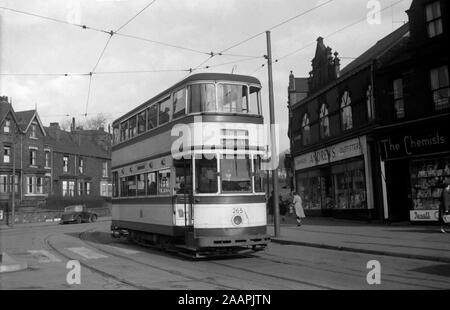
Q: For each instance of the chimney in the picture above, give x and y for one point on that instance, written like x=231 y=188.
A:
x=3 y=99
x=72 y=127
x=54 y=130
x=337 y=64
x=291 y=82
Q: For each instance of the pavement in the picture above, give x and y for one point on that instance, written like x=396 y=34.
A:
x=398 y=240
x=40 y=224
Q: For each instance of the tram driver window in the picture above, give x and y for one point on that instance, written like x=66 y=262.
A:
x=232 y=98
x=236 y=173
x=206 y=176
x=202 y=98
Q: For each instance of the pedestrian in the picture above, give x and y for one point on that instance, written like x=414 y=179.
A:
x=444 y=209
x=298 y=206
x=283 y=208
x=270 y=204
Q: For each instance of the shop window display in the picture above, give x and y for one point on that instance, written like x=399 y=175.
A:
x=429 y=178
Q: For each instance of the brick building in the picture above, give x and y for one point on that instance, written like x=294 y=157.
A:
x=371 y=141
x=50 y=163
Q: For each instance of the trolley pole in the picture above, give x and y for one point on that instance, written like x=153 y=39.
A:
x=274 y=151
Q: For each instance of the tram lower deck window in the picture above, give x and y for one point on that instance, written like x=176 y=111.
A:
x=236 y=174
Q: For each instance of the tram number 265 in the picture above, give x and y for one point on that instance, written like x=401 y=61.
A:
x=238 y=211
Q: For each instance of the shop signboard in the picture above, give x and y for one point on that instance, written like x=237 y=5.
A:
x=411 y=144
x=344 y=150
x=425 y=216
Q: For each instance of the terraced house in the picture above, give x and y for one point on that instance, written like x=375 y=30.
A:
x=50 y=164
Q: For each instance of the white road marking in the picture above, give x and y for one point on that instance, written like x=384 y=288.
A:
x=87 y=253
x=124 y=251
x=44 y=256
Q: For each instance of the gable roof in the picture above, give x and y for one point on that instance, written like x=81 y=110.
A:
x=25 y=118
x=5 y=109
x=377 y=50
x=78 y=143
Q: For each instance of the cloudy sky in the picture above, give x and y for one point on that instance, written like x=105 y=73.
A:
x=31 y=45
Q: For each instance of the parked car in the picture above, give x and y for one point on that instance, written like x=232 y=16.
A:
x=78 y=214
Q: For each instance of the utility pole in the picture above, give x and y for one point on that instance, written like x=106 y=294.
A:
x=274 y=151
x=13 y=187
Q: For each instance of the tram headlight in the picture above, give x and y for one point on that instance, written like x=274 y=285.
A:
x=237 y=220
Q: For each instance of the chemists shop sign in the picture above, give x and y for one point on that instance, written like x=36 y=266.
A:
x=427 y=142
x=334 y=153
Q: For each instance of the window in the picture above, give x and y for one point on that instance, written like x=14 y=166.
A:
x=81 y=165
x=232 y=98
x=132 y=129
x=7 y=127
x=116 y=135
x=346 y=111
x=179 y=103
x=399 y=103
x=104 y=189
x=65 y=164
x=88 y=188
x=152 y=114
x=128 y=186
x=235 y=172
x=4 y=187
x=35 y=185
x=81 y=189
x=183 y=177
x=115 y=184
x=258 y=175
x=68 y=188
x=306 y=128
x=370 y=103
x=152 y=189
x=254 y=100
x=324 y=122
x=124 y=131
x=206 y=175
x=164 y=182
x=434 y=19
x=165 y=111
x=7 y=154
x=202 y=98
x=47 y=159
x=33 y=157
x=440 y=87
x=140 y=185
x=141 y=122
x=33 y=130
x=105 y=169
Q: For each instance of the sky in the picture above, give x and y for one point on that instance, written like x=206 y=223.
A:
x=32 y=45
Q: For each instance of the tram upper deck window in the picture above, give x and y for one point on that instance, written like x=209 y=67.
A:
x=152 y=117
x=232 y=98
x=124 y=131
x=141 y=122
x=254 y=101
x=132 y=130
x=202 y=98
x=206 y=175
x=236 y=174
x=116 y=134
x=165 y=111
x=179 y=103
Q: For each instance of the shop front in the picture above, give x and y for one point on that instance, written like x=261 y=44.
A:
x=417 y=169
x=334 y=181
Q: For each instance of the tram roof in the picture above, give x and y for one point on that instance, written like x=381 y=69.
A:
x=192 y=78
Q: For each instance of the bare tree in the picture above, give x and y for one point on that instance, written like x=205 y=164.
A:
x=65 y=124
x=95 y=122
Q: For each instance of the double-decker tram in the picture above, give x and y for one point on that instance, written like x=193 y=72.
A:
x=187 y=170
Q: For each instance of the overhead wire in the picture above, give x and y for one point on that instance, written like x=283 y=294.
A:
x=131 y=19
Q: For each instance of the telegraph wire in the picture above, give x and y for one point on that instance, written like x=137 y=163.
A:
x=328 y=36
x=131 y=19
x=102 y=53
x=88 y=95
x=277 y=25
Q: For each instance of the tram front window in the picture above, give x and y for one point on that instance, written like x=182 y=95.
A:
x=202 y=98
x=236 y=174
x=206 y=176
x=232 y=98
